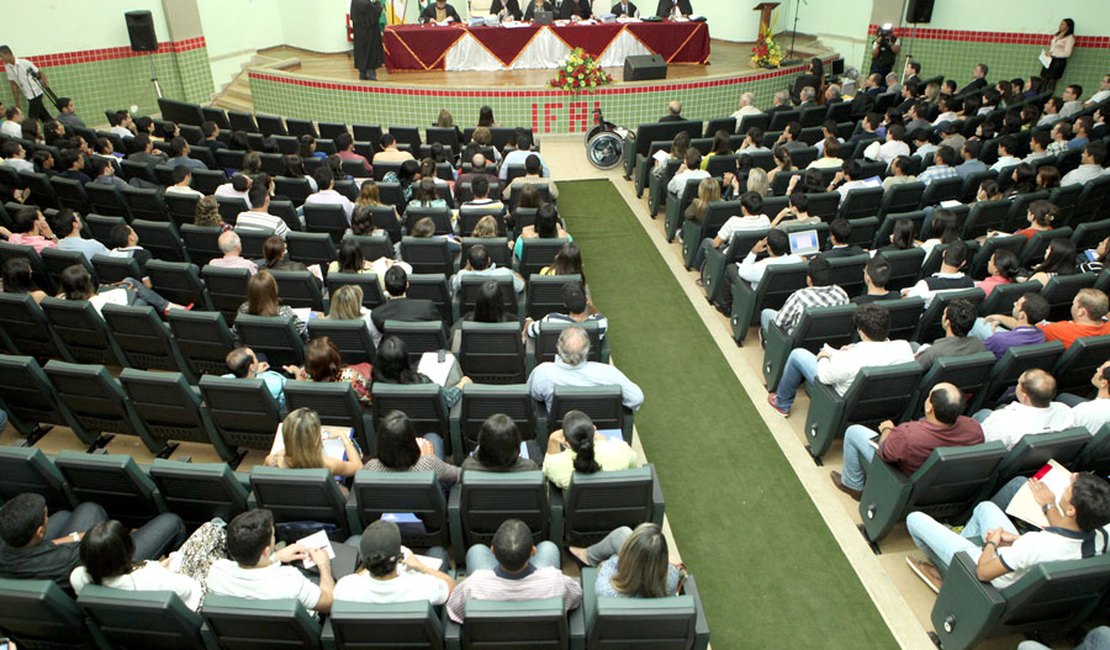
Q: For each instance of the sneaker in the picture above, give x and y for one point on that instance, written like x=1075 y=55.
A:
x=773 y=400
x=928 y=573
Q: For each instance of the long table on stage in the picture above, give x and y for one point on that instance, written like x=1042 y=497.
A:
x=460 y=47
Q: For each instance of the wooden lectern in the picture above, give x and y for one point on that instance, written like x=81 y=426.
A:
x=765 y=17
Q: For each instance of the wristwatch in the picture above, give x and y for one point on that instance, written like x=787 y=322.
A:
x=1045 y=507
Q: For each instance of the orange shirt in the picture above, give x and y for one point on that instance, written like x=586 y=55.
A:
x=1067 y=331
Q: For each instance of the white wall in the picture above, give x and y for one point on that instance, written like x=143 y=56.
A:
x=316 y=25
x=1036 y=16
x=841 y=26
x=53 y=26
x=234 y=30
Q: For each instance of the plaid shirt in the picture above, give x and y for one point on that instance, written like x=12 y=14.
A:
x=791 y=312
x=936 y=173
x=1055 y=148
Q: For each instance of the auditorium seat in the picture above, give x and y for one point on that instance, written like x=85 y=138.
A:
x=675 y=207
x=38 y=614
x=593 y=505
x=337 y=404
x=299 y=289
x=372 y=295
x=776 y=286
x=419 y=337
x=969 y=373
x=274 y=336
x=1003 y=297
x=253 y=240
x=197 y=492
x=243 y=410
x=311 y=248
x=526 y=625
x=1065 y=199
x=946 y=487
x=179 y=282
x=693 y=232
x=81 y=332
x=161 y=239
x=1013 y=243
x=1034 y=251
x=537 y=253
x=41 y=189
x=375 y=495
x=428 y=255
x=171 y=409
x=113 y=481
x=441 y=217
x=861 y=202
x=144 y=339
x=383 y=626
x=147 y=204
x=1061 y=290
x=1090 y=234
x=242 y=624
x=498 y=248
x=300 y=495
x=817 y=327
x=100 y=226
x=1033 y=450
x=602 y=403
x=152 y=619
x=1093 y=198
x=481 y=501
x=492 y=353
x=70 y=194
x=422 y=403
x=1074 y=368
x=27 y=469
x=203 y=338
x=657 y=183
x=226 y=288
x=1095 y=457
x=674 y=623
x=109 y=269
x=31 y=402
x=847 y=273
x=432 y=286
x=327 y=218
x=545 y=294
x=480 y=401
x=1013 y=363
x=57 y=261
x=903 y=197
x=878 y=393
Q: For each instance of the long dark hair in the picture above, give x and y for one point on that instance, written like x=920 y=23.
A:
x=392 y=365
x=489 y=306
x=1071 y=27
x=1059 y=258
x=498 y=442
x=397 y=446
x=106 y=551
x=579 y=431
x=350 y=257
x=18 y=276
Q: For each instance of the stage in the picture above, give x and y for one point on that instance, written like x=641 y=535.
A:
x=325 y=87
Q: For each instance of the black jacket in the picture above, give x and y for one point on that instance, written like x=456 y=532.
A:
x=664 y=8
x=429 y=13
x=616 y=10
x=511 y=6
x=404 y=309
x=569 y=8
x=530 y=7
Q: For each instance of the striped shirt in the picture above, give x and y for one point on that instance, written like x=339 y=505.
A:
x=262 y=221
x=530 y=584
x=554 y=317
x=936 y=173
x=791 y=312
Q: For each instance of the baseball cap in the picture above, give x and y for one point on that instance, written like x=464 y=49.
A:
x=380 y=541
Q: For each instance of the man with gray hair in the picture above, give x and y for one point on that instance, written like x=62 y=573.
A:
x=232 y=248
x=808 y=95
x=747 y=107
x=572 y=368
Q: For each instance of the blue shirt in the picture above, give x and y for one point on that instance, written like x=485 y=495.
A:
x=517 y=158
x=548 y=375
x=87 y=247
x=274 y=382
x=607 y=570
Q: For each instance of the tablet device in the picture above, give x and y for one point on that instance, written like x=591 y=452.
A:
x=804 y=242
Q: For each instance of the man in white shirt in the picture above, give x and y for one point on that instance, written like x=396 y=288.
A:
x=479 y=265
x=1072 y=103
x=1007 y=147
x=325 y=180
x=949 y=278
x=894 y=146
x=689 y=170
x=391 y=573
x=1051 y=115
x=850 y=177
x=946 y=112
x=1093 y=414
x=777 y=246
x=258 y=217
x=182 y=179
x=520 y=154
x=13 y=122
x=257 y=571
x=1033 y=412
x=232 y=248
x=838 y=368
x=751 y=204
x=1091 y=165
x=747 y=107
x=15 y=157
x=1103 y=92
x=572 y=367
x=26 y=80
x=123 y=125
x=1038 y=146
x=238 y=187
x=390 y=152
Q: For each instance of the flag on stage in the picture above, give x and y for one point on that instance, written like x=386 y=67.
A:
x=396 y=11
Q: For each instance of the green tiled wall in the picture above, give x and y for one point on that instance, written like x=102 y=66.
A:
x=548 y=111
x=956 y=59
x=118 y=83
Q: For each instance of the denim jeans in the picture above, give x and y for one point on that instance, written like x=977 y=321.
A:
x=765 y=318
x=609 y=546
x=481 y=557
x=1006 y=493
x=801 y=364
x=3 y=420
x=940 y=543
x=159 y=536
x=858 y=453
x=437 y=444
x=82 y=518
x=1096 y=639
x=144 y=295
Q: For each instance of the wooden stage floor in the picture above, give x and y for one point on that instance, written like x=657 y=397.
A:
x=727 y=58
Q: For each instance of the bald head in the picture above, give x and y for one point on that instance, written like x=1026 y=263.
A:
x=478 y=161
x=675 y=107
x=229 y=243
x=946 y=403
x=747 y=99
x=574 y=346
x=1036 y=388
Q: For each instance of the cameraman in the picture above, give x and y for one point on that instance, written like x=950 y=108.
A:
x=26 y=79
x=884 y=50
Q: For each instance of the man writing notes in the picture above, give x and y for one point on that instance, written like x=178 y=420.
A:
x=440 y=12
x=673 y=8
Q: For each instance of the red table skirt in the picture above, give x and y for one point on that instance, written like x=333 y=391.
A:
x=425 y=47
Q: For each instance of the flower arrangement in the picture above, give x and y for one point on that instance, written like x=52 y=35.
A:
x=580 y=72
x=767 y=53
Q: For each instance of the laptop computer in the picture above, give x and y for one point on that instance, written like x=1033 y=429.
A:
x=544 y=17
x=804 y=242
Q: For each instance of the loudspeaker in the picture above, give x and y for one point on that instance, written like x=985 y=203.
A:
x=642 y=67
x=140 y=28
x=920 y=11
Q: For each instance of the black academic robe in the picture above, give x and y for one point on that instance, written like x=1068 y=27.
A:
x=429 y=13
x=529 y=10
x=366 y=18
x=511 y=6
x=664 y=8
x=617 y=11
x=570 y=8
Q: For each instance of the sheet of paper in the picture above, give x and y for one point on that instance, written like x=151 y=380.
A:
x=1045 y=59
x=436 y=371
x=1023 y=506
x=319 y=539
x=332 y=445
x=431 y=562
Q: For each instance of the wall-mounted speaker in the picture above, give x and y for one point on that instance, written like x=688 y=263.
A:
x=920 y=11
x=140 y=29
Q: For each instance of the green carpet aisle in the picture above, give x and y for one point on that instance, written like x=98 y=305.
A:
x=769 y=571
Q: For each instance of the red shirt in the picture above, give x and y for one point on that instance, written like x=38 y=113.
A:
x=910 y=443
x=350 y=155
x=1066 y=331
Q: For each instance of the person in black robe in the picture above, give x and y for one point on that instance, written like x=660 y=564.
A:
x=625 y=8
x=532 y=8
x=438 y=11
x=666 y=7
x=509 y=7
x=572 y=8
x=366 y=16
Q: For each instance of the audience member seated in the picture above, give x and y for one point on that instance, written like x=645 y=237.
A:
x=400 y=450
x=499 y=448
x=1000 y=332
x=776 y=246
x=519 y=156
x=546 y=226
x=238 y=187
x=512 y=569
x=346 y=304
x=479 y=265
x=399 y=307
x=646 y=570
x=1007 y=147
x=838 y=368
x=572 y=367
x=796 y=211
x=259 y=217
x=532 y=176
x=275 y=256
x=751 y=219
x=875 y=277
x=909 y=444
x=327 y=195
x=125 y=243
x=949 y=278
x=179 y=150
x=1088 y=313
x=850 y=177
x=479 y=168
x=579 y=448
x=894 y=146
x=244 y=364
x=257 y=570
x=818 y=292
x=1002 y=268
x=105 y=174
x=38 y=546
x=424 y=194
x=12 y=125
x=76 y=283
x=232 y=248
x=182 y=179
x=577 y=311
x=831 y=151
x=263 y=300
x=17 y=278
x=1005 y=555
x=479 y=187
x=392 y=366
x=72 y=165
x=489 y=307
x=391 y=573
x=30 y=229
x=67 y=225
x=840 y=233
x=108 y=554
x=1033 y=412
x=390 y=153
x=957 y=320
x=303 y=441
x=942 y=168
x=747 y=107
x=1094 y=154
x=324 y=363
x=345 y=145
x=689 y=170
